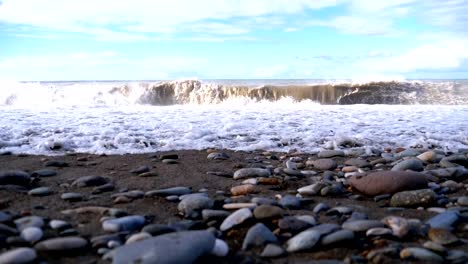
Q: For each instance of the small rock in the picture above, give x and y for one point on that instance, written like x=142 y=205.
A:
x=87 y=181
x=409 y=164
x=192 y=204
x=258 y=235
x=137 y=237
x=29 y=221
x=56 y=163
x=421 y=254
x=126 y=223
x=267 y=212
x=243 y=189
x=40 y=191
x=330 y=153
x=462 y=201
x=169 y=191
x=58 y=224
x=218 y=156
x=44 y=173
x=428 y=156
x=388 y=182
x=290 y=202
x=360 y=163
x=399 y=225
x=272 y=251
x=251 y=172
x=293 y=224
x=361 y=225
x=442 y=236
x=32 y=234
x=209 y=214
x=337 y=237
x=62 y=244
x=141 y=169
x=304 y=240
x=71 y=197
x=15 y=178
x=378 y=231
x=18 y=256
x=444 y=220
x=324 y=164
x=424 y=197
x=236 y=218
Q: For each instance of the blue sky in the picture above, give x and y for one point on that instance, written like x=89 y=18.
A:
x=232 y=39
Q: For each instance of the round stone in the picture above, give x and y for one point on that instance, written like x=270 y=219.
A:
x=32 y=234
x=18 y=256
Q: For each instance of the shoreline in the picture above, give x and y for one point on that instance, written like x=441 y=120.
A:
x=190 y=170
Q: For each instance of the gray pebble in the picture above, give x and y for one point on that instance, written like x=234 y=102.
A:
x=40 y=191
x=86 y=181
x=32 y=234
x=60 y=244
x=410 y=164
x=251 y=172
x=169 y=191
x=16 y=177
x=361 y=225
x=71 y=196
x=126 y=223
x=192 y=204
x=18 y=256
x=272 y=251
x=236 y=218
x=304 y=240
x=337 y=237
x=258 y=235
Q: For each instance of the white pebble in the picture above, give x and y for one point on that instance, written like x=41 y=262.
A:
x=220 y=248
x=32 y=234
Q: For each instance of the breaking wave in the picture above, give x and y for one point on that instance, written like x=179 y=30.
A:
x=212 y=92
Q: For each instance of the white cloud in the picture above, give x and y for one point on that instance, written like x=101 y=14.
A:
x=144 y=15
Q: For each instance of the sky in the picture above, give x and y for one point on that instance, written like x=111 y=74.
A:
x=51 y=40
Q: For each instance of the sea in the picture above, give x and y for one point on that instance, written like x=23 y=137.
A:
x=122 y=117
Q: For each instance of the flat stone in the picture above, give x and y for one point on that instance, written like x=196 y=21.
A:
x=324 y=164
x=218 y=156
x=209 y=214
x=172 y=248
x=56 y=163
x=361 y=225
x=251 y=172
x=360 y=163
x=304 y=240
x=87 y=181
x=388 y=182
x=272 y=251
x=267 y=212
x=293 y=224
x=169 y=191
x=424 y=197
x=337 y=237
x=236 y=218
x=62 y=244
x=71 y=196
x=40 y=191
x=141 y=169
x=325 y=229
x=442 y=236
x=290 y=202
x=126 y=223
x=330 y=154
x=44 y=173
x=16 y=177
x=409 y=164
x=192 y=204
x=421 y=254
x=18 y=256
x=258 y=235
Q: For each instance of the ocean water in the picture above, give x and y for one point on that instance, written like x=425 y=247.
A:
x=118 y=117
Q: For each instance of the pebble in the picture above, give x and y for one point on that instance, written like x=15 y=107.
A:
x=192 y=204
x=324 y=164
x=170 y=161
x=209 y=214
x=40 y=191
x=388 y=182
x=87 y=181
x=126 y=223
x=71 y=196
x=421 y=254
x=462 y=201
x=399 y=225
x=444 y=220
x=158 y=229
x=251 y=172
x=218 y=156
x=235 y=206
x=58 y=224
x=44 y=173
x=169 y=191
x=236 y=218
x=312 y=189
x=243 y=189
x=293 y=224
x=409 y=164
x=141 y=169
x=435 y=247
x=424 y=197
x=29 y=221
x=325 y=229
x=361 y=225
x=16 y=177
x=330 y=153
x=337 y=237
x=179 y=247
x=258 y=235
x=359 y=163
x=60 y=244
x=32 y=234
x=137 y=237
x=267 y=212
x=220 y=249
x=378 y=231
x=428 y=156
x=442 y=236
x=290 y=202
x=304 y=240
x=56 y=163
x=320 y=207
x=18 y=256
x=272 y=251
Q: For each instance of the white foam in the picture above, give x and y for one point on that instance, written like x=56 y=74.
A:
x=278 y=126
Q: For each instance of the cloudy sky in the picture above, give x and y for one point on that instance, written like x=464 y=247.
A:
x=232 y=39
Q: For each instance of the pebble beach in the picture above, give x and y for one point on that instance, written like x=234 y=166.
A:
x=394 y=205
